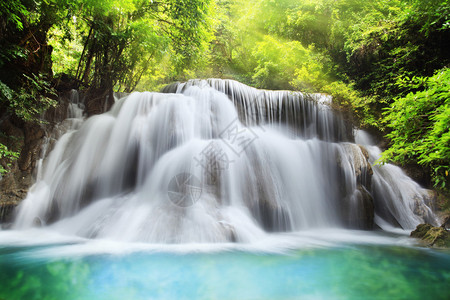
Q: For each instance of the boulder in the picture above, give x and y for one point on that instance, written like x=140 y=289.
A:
x=433 y=236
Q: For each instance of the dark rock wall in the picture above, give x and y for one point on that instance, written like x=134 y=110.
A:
x=28 y=138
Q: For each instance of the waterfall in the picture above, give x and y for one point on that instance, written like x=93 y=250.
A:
x=74 y=119
x=214 y=161
x=400 y=200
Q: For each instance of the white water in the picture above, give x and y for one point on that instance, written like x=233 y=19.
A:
x=262 y=162
x=73 y=122
x=400 y=200
x=63 y=245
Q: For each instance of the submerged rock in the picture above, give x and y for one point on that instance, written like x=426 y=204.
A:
x=433 y=236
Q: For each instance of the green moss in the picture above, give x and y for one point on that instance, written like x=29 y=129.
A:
x=421 y=230
x=434 y=236
x=438 y=236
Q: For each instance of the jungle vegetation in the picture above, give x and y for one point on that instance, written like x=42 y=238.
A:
x=386 y=61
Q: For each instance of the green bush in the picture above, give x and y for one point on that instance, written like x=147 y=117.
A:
x=7 y=157
x=31 y=99
x=420 y=124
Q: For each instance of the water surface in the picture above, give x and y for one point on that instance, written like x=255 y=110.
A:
x=346 y=265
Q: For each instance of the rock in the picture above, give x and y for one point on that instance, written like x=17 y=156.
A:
x=13 y=189
x=355 y=173
x=98 y=101
x=418 y=173
x=26 y=137
x=33 y=138
x=358 y=157
x=358 y=210
x=55 y=115
x=273 y=217
x=6 y=211
x=424 y=205
x=446 y=222
x=430 y=198
x=421 y=230
x=433 y=236
x=8 y=203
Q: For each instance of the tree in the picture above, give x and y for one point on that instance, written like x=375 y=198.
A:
x=122 y=42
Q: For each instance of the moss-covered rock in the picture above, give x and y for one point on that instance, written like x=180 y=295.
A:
x=433 y=236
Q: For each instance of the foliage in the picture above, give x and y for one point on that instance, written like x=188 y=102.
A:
x=369 y=55
x=410 y=41
x=28 y=103
x=276 y=61
x=33 y=98
x=25 y=88
x=12 y=11
x=420 y=126
x=67 y=46
x=7 y=157
x=123 y=40
x=363 y=53
x=111 y=44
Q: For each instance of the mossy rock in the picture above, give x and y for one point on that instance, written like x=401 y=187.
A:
x=421 y=230
x=434 y=236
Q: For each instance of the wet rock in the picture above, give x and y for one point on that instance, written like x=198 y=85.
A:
x=57 y=114
x=418 y=173
x=430 y=198
x=358 y=210
x=8 y=203
x=355 y=173
x=13 y=189
x=33 y=135
x=15 y=183
x=65 y=82
x=433 y=236
x=98 y=101
x=424 y=203
x=358 y=157
x=7 y=211
x=27 y=138
x=446 y=223
x=274 y=218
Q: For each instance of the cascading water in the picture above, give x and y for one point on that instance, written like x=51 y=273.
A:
x=189 y=165
x=75 y=108
x=400 y=200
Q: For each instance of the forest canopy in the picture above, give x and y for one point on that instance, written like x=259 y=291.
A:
x=385 y=61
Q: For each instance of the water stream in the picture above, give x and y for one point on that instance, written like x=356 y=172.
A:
x=216 y=161
x=212 y=189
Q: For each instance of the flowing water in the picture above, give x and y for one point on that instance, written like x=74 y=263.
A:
x=213 y=189
x=330 y=264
